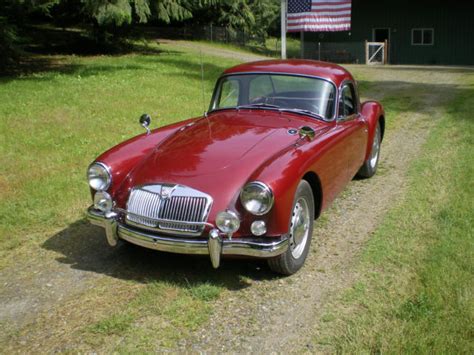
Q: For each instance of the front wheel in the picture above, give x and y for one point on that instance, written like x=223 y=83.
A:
x=370 y=165
x=301 y=232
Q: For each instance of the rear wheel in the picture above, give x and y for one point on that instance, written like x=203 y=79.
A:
x=301 y=232
x=370 y=165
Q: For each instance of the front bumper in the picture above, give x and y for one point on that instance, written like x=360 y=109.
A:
x=215 y=245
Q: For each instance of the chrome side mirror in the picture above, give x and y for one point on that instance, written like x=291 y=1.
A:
x=307 y=132
x=145 y=121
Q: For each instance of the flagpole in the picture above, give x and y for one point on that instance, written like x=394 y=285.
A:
x=302 y=44
x=283 y=29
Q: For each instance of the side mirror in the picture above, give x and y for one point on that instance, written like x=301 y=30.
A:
x=307 y=132
x=145 y=121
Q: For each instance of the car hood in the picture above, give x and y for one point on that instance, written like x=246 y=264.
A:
x=218 y=154
x=221 y=141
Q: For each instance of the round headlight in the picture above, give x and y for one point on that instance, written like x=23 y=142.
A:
x=227 y=222
x=103 y=202
x=99 y=176
x=257 y=198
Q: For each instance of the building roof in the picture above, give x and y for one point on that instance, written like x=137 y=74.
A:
x=333 y=72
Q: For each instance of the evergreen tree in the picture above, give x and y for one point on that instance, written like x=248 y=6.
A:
x=111 y=19
x=267 y=14
x=254 y=17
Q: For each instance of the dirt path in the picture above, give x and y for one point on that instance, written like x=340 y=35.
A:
x=213 y=50
x=278 y=314
x=73 y=259
x=282 y=314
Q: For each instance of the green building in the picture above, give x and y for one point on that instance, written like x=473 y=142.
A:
x=417 y=32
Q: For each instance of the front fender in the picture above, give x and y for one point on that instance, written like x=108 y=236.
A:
x=373 y=113
x=123 y=157
x=322 y=158
x=283 y=174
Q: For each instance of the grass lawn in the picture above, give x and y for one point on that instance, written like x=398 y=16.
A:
x=416 y=284
x=54 y=123
x=272 y=47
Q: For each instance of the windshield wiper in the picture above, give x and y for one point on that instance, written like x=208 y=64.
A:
x=302 y=112
x=283 y=109
x=261 y=104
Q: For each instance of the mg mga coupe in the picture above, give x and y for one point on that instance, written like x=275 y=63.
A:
x=281 y=139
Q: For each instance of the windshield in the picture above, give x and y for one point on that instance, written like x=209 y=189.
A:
x=276 y=91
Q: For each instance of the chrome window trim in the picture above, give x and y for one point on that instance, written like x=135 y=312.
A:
x=345 y=83
x=214 y=94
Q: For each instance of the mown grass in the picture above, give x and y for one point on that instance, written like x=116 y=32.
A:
x=161 y=314
x=415 y=290
x=272 y=47
x=54 y=122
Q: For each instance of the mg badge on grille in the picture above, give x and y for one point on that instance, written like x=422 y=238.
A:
x=164 y=207
x=166 y=191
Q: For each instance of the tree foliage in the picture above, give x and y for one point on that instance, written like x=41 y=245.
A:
x=112 y=18
x=236 y=15
x=254 y=17
x=267 y=15
x=14 y=14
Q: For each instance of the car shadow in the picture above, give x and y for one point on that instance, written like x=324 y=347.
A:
x=84 y=247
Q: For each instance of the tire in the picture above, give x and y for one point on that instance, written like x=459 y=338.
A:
x=369 y=168
x=301 y=232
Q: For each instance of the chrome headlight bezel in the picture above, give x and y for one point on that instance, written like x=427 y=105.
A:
x=265 y=198
x=99 y=176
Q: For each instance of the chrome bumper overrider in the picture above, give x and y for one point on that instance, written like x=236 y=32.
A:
x=215 y=245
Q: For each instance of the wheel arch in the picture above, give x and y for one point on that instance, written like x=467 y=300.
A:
x=313 y=180
x=382 y=126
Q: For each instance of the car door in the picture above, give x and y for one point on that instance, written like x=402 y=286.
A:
x=354 y=129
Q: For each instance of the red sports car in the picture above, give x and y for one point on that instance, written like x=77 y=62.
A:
x=281 y=139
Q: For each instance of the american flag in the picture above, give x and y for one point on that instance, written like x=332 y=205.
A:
x=319 y=15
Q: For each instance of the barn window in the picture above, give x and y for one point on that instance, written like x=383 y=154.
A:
x=422 y=37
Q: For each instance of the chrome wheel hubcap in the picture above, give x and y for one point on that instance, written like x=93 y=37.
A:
x=299 y=228
x=374 y=155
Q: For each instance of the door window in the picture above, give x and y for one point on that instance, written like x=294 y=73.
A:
x=348 y=101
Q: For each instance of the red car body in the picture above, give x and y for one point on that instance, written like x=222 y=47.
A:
x=221 y=152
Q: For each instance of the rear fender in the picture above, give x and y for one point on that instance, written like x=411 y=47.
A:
x=373 y=112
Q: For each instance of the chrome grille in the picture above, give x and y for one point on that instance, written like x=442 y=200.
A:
x=149 y=205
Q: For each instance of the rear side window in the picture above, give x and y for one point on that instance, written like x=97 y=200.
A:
x=348 y=102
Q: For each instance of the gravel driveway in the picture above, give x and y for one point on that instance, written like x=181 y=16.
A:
x=284 y=314
x=213 y=50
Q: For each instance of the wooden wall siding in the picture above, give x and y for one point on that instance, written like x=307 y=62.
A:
x=452 y=21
